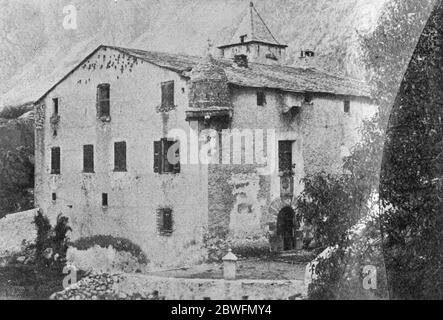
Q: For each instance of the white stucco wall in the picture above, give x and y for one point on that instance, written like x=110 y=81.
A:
x=135 y=195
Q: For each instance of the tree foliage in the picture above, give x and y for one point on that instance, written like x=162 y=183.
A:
x=16 y=179
x=51 y=244
x=412 y=173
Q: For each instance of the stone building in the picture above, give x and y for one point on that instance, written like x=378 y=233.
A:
x=169 y=149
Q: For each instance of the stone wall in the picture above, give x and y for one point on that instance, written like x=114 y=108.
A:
x=243 y=200
x=214 y=289
x=14 y=229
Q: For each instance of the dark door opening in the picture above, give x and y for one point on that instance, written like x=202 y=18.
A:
x=286 y=228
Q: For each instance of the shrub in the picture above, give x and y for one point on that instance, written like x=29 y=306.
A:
x=119 y=244
x=51 y=244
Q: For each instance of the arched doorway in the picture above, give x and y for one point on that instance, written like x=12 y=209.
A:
x=286 y=228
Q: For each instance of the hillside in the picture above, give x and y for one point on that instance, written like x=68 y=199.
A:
x=47 y=51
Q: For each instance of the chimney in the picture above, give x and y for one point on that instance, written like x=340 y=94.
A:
x=241 y=60
x=306 y=57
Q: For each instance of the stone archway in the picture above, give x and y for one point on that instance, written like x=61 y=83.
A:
x=286 y=229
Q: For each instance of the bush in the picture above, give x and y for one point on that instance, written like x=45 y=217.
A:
x=119 y=244
x=328 y=204
x=51 y=244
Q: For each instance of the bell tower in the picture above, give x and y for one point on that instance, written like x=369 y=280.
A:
x=254 y=40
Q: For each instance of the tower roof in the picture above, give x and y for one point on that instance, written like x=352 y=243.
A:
x=208 y=70
x=252 y=28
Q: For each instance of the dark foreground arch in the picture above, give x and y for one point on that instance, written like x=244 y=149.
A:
x=412 y=174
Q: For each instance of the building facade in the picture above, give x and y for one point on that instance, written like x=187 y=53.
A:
x=168 y=149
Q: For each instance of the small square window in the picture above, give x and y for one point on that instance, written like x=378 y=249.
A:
x=347 y=106
x=104 y=199
x=261 y=98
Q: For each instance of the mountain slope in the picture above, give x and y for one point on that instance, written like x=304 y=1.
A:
x=328 y=27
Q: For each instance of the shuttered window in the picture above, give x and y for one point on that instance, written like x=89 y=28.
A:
x=55 y=160
x=167 y=94
x=166 y=156
x=103 y=100
x=165 y=221
x=88 y=158
x=120 y=156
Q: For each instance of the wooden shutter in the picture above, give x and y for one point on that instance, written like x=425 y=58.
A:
x=55 y=160
x=157 y=156
x=176 y=166
x=166 y=166
x=88 y=158
x=120 y=156
x=170 y=147
x=167 y=94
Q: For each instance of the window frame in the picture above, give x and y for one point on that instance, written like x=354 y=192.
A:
x=167 y=90
x=106 y=101
x=261 y=98
x=117 y=165
x=161 y=163
x=105 y=200
x=165 y=229
x=347 y=106
x=281 y=154
x=91 y=153
x=56 y=160
x=55 y=106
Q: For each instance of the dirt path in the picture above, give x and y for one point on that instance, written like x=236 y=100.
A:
x=246 y=269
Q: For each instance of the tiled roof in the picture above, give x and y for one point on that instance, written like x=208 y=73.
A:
x=261 y=75
x=256 y=75
x=253 y=28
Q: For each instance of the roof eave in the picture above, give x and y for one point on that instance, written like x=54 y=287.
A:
x=252 y=42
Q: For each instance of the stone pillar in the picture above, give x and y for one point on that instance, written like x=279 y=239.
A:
x=229 y=266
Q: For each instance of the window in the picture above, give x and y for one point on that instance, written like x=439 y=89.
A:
x=103 y=100
x=55 y=160
x=164 y=221
x=285 y=156
x=104 y=199
x=166 y=156
x=347 y=106
x=167 y=94
x=242 y=38
x=261 y=98
x=55 y=106
x=54 y=196
x=88 y=158
x=120 y=156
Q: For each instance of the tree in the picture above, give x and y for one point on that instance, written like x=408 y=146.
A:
x=16 y=179
x=412 y=173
